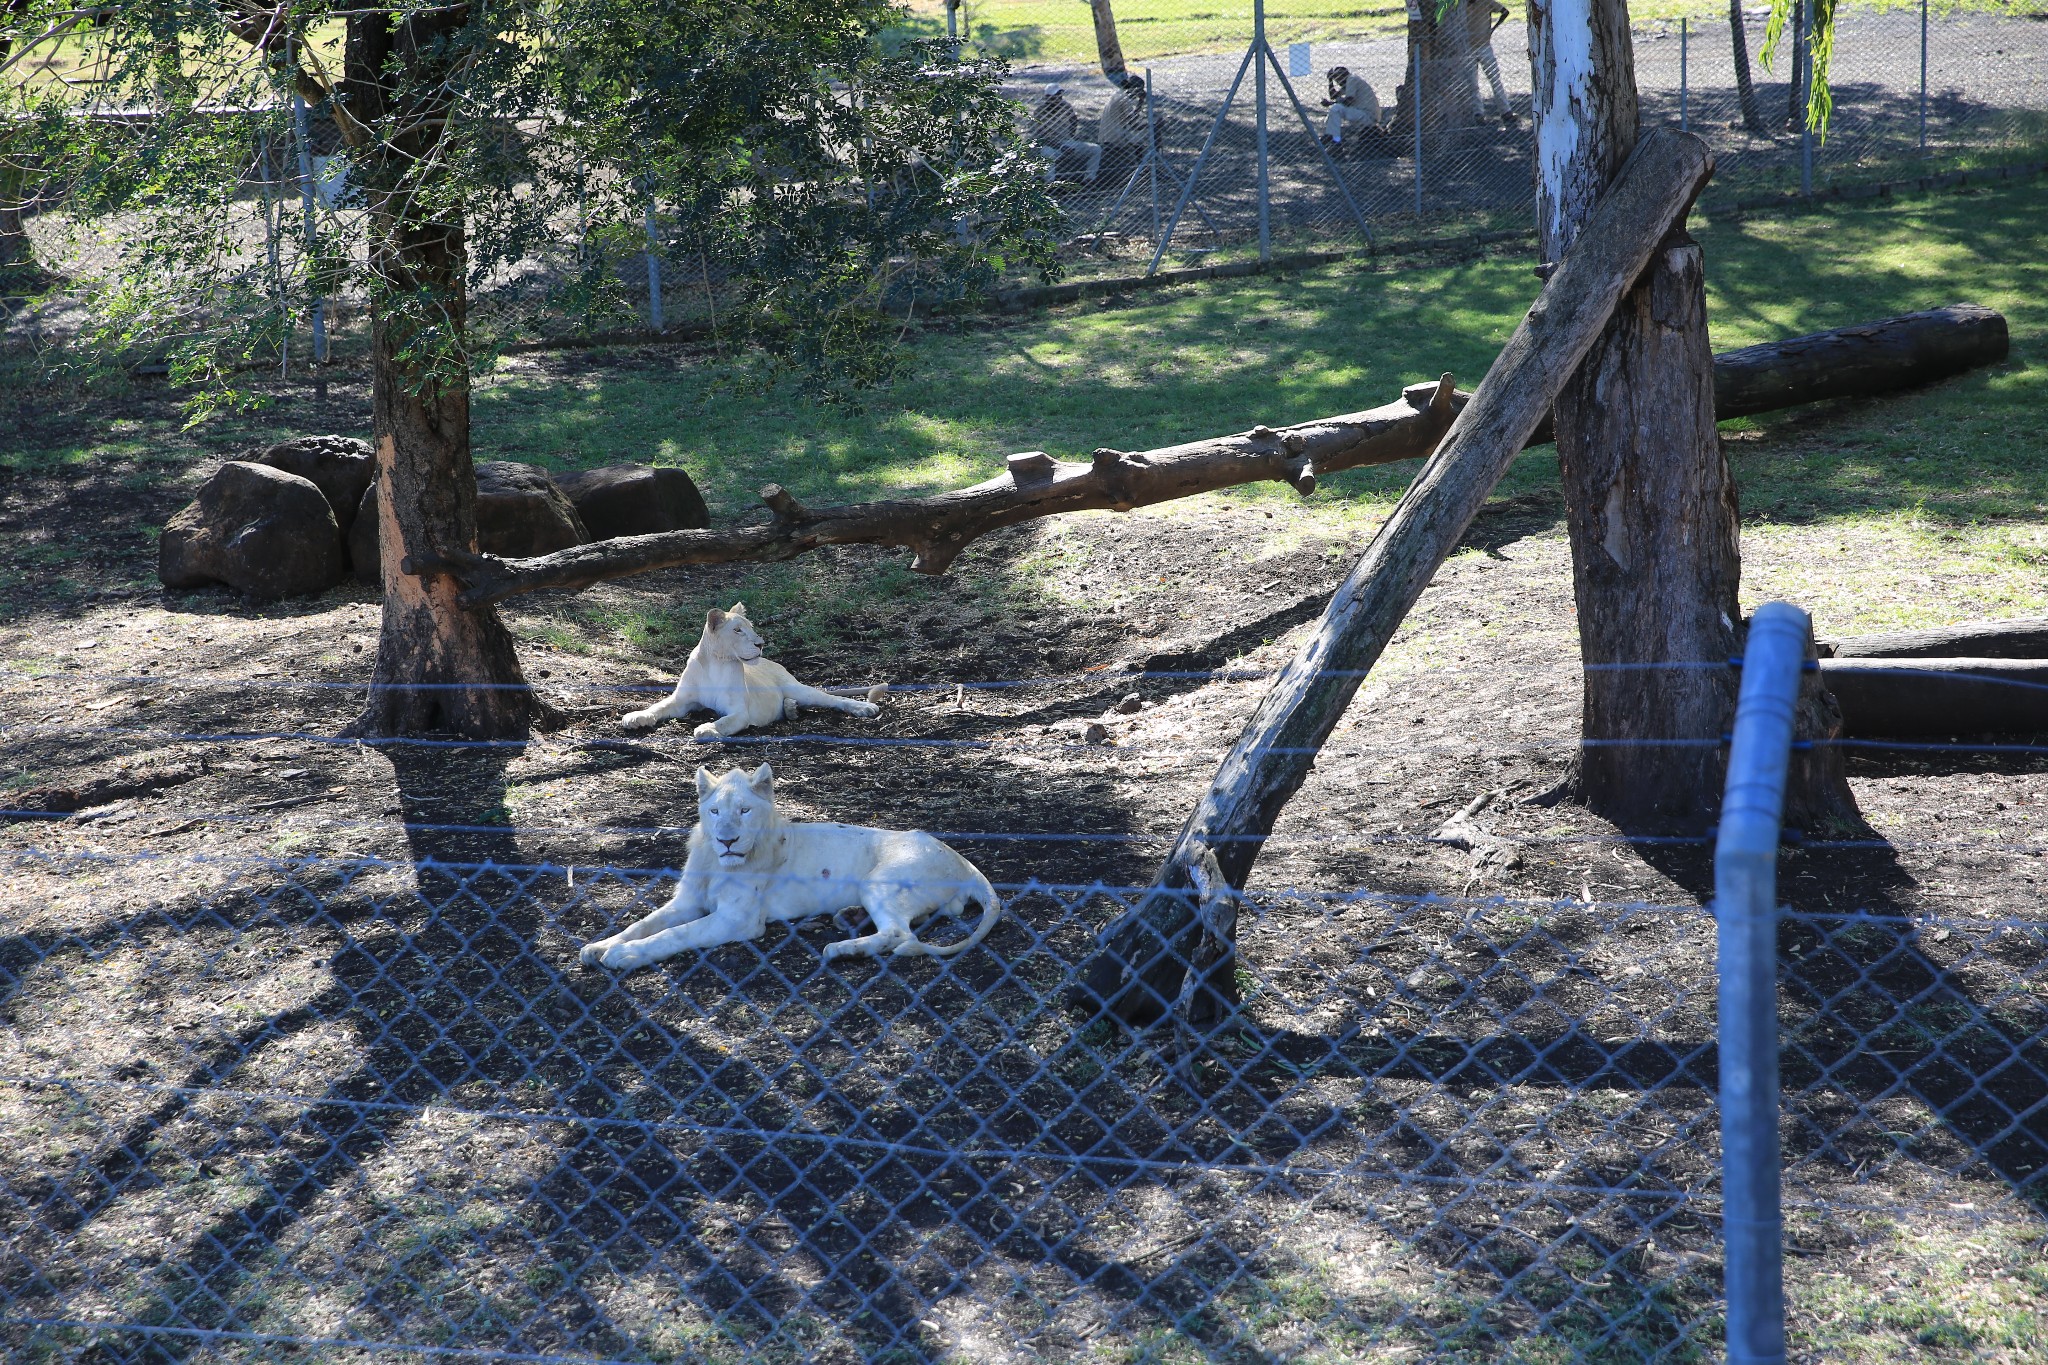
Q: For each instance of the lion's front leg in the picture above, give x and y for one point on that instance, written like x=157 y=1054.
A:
x=680 y=702
x=725 y=727
x=719 y=927
x=685 y=906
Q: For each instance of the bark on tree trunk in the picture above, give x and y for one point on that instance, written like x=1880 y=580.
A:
x=1745 y=86
x=1107 y=49
x=441 y=666
x=1650 y=504
x=15 y=250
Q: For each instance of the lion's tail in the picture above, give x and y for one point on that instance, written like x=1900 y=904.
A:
x=991 y=913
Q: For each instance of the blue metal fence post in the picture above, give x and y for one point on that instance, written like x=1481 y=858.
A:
x=1746 y=921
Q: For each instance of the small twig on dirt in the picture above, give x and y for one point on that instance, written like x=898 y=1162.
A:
x=282 y=803
x=1167 y=1247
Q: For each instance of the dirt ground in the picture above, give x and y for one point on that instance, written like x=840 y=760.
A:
x=1532 y=1005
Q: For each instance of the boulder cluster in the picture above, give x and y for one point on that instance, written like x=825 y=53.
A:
x=301 y=516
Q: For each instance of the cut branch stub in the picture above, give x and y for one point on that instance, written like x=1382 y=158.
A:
x=788 y=511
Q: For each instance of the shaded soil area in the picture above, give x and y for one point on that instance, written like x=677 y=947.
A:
x=288 y=1063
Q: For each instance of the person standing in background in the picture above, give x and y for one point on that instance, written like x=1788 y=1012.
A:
x=1482 y=17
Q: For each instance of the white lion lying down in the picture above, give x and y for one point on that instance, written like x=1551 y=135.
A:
x=748 y=866
x=725 y=673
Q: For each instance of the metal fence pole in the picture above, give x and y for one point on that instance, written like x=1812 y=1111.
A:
x=1259 y=101
x=1923 y=77
x=1746 y=922
x=1152 y=150
x=1684 y=84
x=653 y=272
x=1418 y=132
x=303 y=136
x=1802 y=66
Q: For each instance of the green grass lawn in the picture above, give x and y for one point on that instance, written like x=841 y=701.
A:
x=1952 y=479
x=1062 y=30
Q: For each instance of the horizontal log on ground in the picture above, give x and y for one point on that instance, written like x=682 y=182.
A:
x=1870 y=357
x=1034 y=485
x=2017 y=639
x=1904 y=698
x=1861 y=361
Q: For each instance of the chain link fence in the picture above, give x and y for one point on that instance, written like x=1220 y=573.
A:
x=1917 y=93
x=357 y=1108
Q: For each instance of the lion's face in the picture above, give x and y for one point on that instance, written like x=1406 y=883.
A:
x=736 y=812
x=730 y=633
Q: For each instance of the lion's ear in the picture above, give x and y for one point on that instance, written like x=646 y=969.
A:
x=703 y=783
x=763 y=780
x=738 y=609
x=713 y=619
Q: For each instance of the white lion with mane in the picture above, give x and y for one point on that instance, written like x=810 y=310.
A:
x=726 y=673
x=747 y=866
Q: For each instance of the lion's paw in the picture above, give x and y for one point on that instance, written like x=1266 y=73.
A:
x=625 y=957
x=866 y=710
x=707 y=733
x=843 y=948
x=592 y=954
x=640 y=720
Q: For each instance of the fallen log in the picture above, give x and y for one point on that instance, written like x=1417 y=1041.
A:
x=1867 y=359
x=1034 y=485
x=1142 y=965
x=2019 y=639
x=1872 y=357
x=1920 y=697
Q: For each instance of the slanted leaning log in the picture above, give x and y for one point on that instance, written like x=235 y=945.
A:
x=1141 y=966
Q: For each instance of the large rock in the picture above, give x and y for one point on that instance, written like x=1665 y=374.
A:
x=341 y=466
x=257 y=529
x=635 y=500
x=519 y=512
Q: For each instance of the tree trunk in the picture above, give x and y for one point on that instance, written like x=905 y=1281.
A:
x=441 y=666
x=1440 y=51
x=1745 y=86
x=1650 y=504
x=1147 y=952
x=1107 y=49
x=15 y=250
